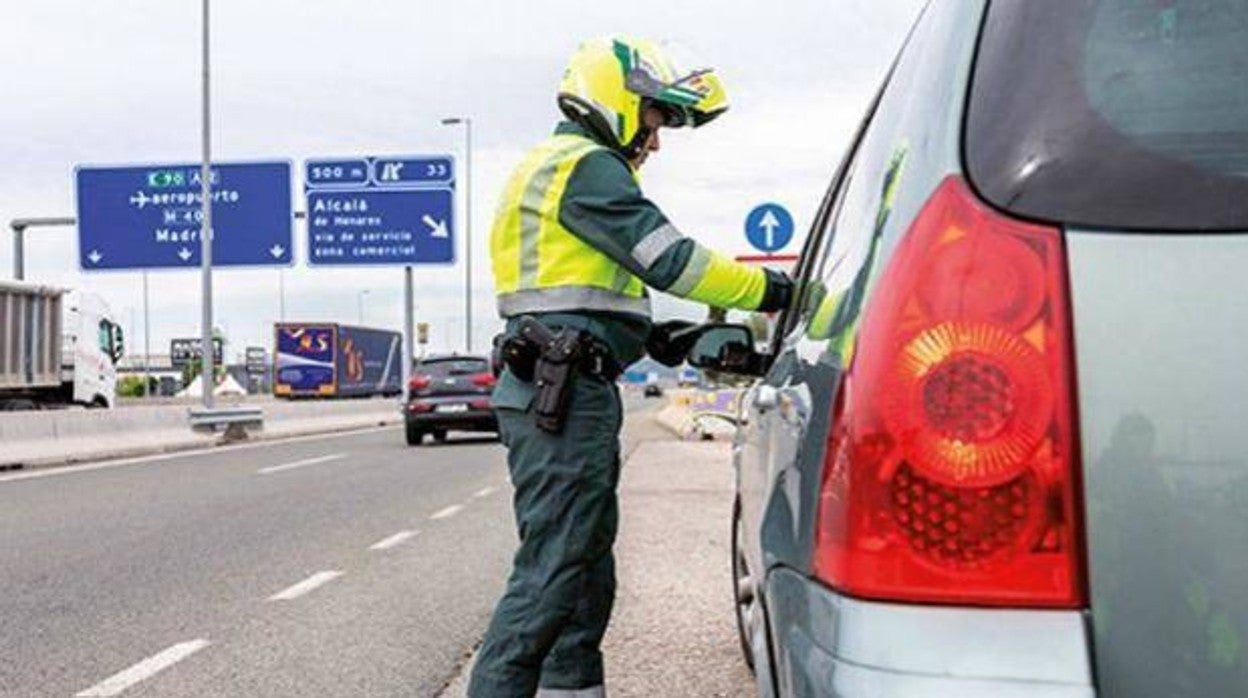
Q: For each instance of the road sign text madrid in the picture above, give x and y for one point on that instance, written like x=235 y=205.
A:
x=149 y=216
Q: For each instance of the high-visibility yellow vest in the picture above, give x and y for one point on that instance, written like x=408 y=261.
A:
x=541 y=266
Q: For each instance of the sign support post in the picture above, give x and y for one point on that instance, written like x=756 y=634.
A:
x=205 y=230
x=147 y=342
x=409 y=328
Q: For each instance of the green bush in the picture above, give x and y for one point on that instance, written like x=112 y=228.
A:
x=132 y=386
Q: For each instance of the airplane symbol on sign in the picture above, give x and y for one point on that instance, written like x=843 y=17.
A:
x=140 y=199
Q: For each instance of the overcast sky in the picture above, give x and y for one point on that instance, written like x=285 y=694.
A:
x=89 y=82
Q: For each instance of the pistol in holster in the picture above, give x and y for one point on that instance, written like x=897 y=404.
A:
x=547 y=358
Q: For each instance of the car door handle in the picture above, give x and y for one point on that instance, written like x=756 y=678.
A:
x=766 y=398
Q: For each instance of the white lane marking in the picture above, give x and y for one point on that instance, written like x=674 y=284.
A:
x=481 y=494
x=145 y=669
x=190 y=453
x=301 y=463
x=396 y=539
x=447 y=512
x=307 y=585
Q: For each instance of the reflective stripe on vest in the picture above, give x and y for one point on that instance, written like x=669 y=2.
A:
x=539 y=265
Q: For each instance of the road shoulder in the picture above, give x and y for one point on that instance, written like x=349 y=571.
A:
x=673 y=632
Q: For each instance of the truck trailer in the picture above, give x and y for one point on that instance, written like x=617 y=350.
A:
x=57 y=348
x=328 y=360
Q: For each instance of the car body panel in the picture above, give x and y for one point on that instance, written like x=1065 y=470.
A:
x=1161 y=340
x=824 y=644
x=833 y=645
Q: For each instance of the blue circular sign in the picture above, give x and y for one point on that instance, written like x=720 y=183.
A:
x=769 y=227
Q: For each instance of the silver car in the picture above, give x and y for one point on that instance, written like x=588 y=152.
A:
x=1000 y=444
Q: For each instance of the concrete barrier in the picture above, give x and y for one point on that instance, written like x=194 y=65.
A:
x=58 y=437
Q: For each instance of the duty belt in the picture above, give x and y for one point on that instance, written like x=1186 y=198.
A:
x=547 y=356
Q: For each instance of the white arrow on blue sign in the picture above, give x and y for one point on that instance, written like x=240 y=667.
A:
x=769 y=227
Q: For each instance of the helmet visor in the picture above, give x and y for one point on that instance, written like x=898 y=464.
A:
x=686 y=96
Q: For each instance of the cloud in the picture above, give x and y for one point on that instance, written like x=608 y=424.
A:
x=89 y=82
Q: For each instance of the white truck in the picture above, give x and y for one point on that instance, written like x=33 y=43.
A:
x=57 y=348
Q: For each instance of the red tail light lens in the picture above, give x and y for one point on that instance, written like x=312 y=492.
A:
x=484 y=380
x=479 y=404
x=951 y=470
x=419 y=382
x=420 y=407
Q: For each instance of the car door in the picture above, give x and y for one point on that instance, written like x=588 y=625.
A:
x=774 y=411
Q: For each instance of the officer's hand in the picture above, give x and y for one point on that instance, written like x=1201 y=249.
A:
x=779 y=292
x=669 y=342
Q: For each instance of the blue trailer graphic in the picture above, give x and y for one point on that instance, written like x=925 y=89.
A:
x=331 y=360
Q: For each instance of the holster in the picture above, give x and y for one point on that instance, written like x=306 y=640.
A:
x=548 y=359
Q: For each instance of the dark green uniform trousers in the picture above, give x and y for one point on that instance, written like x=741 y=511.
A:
x=547 y=628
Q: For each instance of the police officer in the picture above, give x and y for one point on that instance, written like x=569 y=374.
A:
x=574 y=245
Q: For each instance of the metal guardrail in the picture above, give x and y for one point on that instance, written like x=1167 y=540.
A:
x=233 y=422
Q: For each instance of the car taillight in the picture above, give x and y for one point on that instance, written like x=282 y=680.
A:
x=484 y=380
x=483 y=404
x=419 y=382
x=420 y=407
x=951 y=473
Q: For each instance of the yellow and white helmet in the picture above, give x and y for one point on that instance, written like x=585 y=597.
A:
x=610 y=81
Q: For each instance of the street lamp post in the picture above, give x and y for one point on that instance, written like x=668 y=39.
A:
x=467 y=122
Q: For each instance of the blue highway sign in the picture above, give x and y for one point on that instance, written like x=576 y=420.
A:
x=381 y=210
x=148 y=216
x=769 y=227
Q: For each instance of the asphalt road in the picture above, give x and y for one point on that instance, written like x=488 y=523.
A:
x=347 y=565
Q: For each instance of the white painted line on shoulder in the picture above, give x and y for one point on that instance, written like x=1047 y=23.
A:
x=448 y=512
x=190 y=453
x=392 y=541
x=301 y=463
x=481 y=494
x=145 y=669
x=307 y=585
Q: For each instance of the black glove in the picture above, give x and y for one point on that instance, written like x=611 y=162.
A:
x=779 y=292
x=669 y=342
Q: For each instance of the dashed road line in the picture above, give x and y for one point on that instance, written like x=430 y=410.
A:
x=481 y=494
x=392 y=541
x=447 y=512
x=40 y=473
x=301 y=463
x=145 y=669
x=306 y=586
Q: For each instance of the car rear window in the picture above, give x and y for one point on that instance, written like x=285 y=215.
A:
x=453 y=367
x=1124 y=114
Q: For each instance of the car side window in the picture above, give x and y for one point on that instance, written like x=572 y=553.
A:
x=814 y=257
x=856 y=245
x=837 y=292
x=822 y=257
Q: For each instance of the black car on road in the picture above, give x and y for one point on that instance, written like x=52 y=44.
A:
x=449 y=393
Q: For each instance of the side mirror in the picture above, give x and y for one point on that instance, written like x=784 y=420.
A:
x=727 y=348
